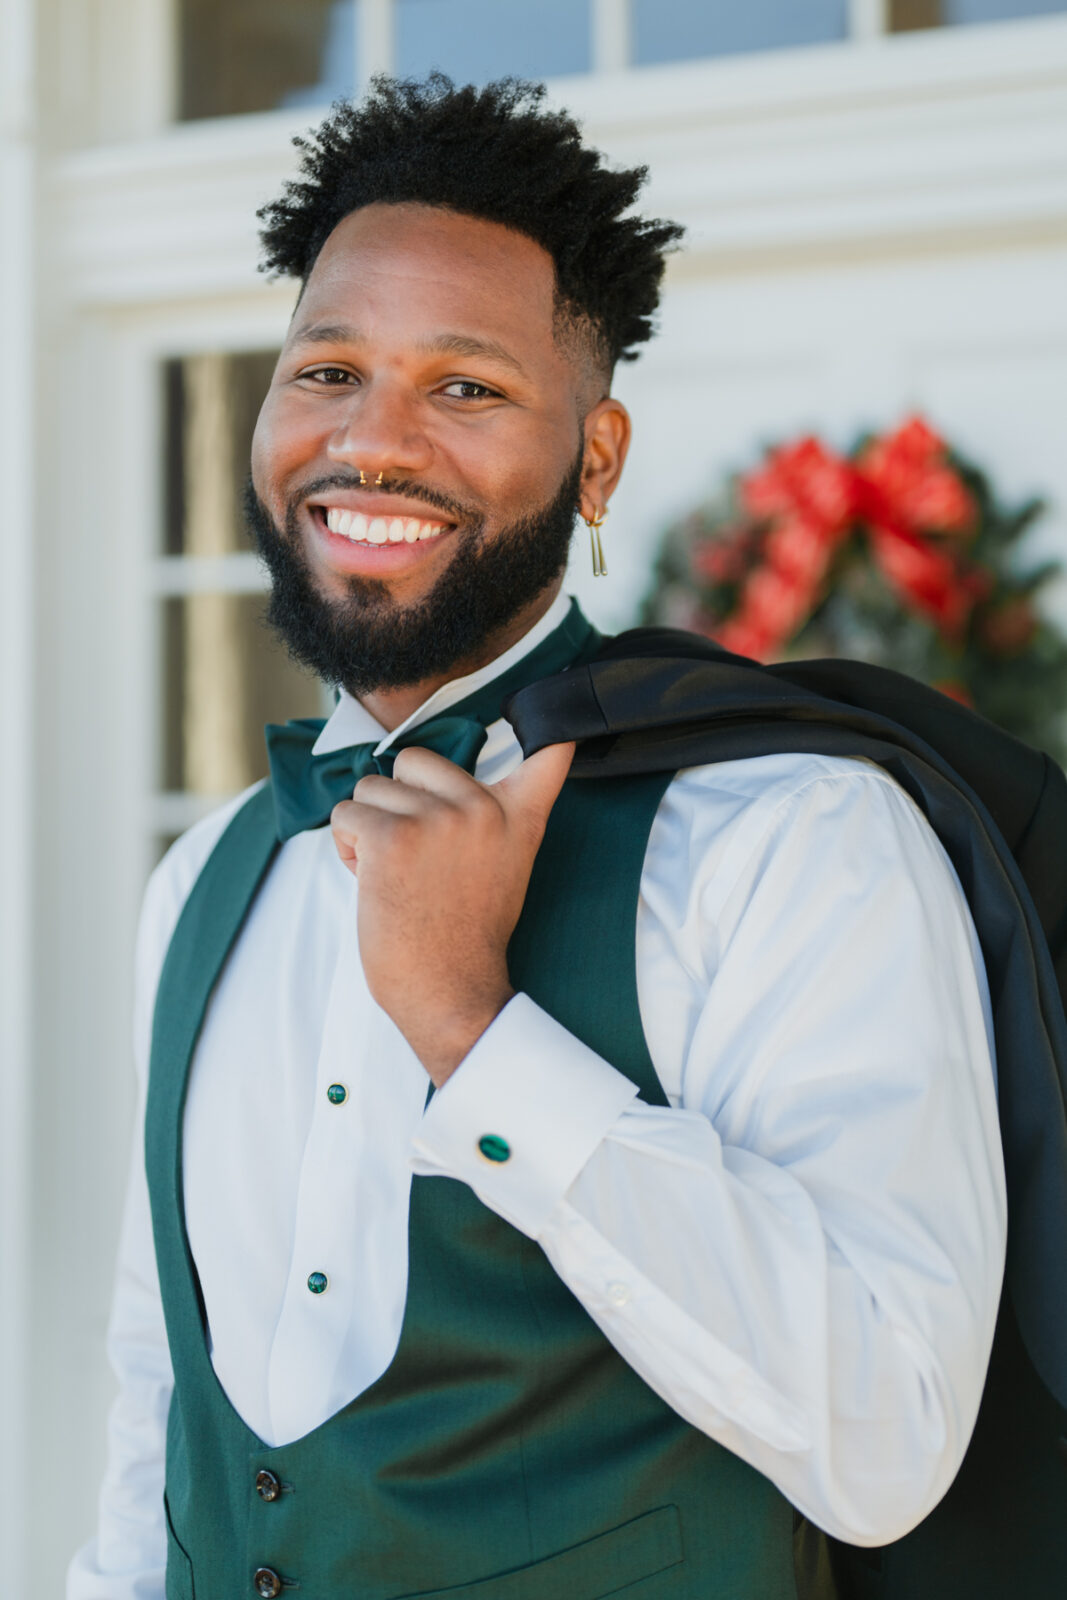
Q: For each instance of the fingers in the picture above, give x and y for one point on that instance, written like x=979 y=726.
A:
x=530 y=791
x=419 y=768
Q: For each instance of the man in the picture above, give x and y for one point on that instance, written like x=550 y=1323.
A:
x=692 y=1238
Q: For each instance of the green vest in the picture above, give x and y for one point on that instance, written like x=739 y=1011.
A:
x=508 y=1452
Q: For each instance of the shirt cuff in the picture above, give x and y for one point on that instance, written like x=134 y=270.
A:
x=521 y=1115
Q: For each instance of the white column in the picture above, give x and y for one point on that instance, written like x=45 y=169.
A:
x=17 y=174
x=612 y=43
x=375 y=40
x=868 y=19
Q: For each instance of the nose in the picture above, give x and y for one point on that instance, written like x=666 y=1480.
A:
x=382 y=431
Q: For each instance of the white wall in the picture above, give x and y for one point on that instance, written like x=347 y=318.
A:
x=872 y=227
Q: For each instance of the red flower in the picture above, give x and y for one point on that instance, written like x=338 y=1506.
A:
x=927 y=577
x=803 y=478
x=799 y=549
x=908 y=473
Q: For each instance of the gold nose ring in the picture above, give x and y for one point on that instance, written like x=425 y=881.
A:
x=363 y=479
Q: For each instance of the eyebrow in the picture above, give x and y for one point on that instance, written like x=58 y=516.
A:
x=440 y=344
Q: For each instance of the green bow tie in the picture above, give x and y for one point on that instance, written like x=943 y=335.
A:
x=307 y=787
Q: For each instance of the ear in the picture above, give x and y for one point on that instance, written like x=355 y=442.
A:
x=607 y=440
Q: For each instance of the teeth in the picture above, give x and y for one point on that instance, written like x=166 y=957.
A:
x=379 y=530
x=338 y=520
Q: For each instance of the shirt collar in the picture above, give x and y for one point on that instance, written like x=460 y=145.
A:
x=351 y=723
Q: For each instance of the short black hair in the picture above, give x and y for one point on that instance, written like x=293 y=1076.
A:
x=496 y=153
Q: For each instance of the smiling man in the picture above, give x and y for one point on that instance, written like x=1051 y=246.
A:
x=546 y=1185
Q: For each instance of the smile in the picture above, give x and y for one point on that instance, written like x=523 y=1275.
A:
x=362 y=529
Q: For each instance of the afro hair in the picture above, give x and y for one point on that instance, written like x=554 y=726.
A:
x=495 y=153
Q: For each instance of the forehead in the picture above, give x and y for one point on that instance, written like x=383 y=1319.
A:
x=432 y=269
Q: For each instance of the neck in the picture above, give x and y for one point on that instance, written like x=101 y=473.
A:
x=391 y=707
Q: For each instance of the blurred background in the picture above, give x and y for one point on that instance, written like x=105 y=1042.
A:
x=875 y=193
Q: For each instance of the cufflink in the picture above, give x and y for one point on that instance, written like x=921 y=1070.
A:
x=491 y=1147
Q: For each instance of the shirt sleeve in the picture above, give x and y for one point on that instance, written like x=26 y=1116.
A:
x=126 y=1560
x=803 y=1252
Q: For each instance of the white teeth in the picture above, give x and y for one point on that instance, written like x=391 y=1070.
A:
x=379 y=530
x=338 y=520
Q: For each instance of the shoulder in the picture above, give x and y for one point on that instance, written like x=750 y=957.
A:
x=762 y=793
x=808 y=817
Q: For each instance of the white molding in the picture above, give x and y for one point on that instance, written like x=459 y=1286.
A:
x=923 y=138
x=375 y=40
x=17 y=317
x=868 y=19
x=611 y=25
x=239 y=573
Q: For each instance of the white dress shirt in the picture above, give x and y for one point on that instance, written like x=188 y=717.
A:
x=802 y=1253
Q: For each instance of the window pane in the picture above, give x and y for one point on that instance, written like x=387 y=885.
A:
x=677 y=30
x=964 y=11
x=224 y=675
x=475 y=41
x=211 y=403
x=255 y=55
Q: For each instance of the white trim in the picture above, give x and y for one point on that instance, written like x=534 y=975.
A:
x=167 y=815
x=868 y=19
x=375 y=40
x=17 y=316
x=611 y=25
x=928 y=139
x=239 y=573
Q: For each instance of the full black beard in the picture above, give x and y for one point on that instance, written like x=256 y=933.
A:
x=366 y=641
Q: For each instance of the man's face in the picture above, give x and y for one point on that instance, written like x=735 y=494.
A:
x=423 y=350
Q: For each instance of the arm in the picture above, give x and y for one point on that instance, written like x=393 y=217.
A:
x=127 y=1558
x=803 y=1254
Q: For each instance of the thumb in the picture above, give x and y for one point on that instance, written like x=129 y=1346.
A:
x=529 y=793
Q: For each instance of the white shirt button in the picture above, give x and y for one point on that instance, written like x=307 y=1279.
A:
x=618 y=1293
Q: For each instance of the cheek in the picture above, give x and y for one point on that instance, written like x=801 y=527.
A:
x=280 y=445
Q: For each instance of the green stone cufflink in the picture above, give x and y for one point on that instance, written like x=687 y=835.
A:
x=491 y=1147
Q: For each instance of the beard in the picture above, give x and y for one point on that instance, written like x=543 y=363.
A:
x=365 y=640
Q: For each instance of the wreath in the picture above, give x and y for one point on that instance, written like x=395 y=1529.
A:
x=897 y=552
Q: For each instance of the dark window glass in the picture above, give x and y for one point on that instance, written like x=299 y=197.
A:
x=677 y=30
x=255 y=55
x=211 y=403
x=475 y=41
x=224 y=675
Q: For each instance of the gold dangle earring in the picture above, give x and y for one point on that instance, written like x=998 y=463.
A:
x=594 y=524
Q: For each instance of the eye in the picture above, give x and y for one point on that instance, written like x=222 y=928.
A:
x=328 y=377
x=468 y=389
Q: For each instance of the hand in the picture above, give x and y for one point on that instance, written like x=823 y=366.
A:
x=443 y=864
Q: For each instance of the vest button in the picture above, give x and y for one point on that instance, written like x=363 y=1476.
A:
x=267 y=1485
x=266 y=1582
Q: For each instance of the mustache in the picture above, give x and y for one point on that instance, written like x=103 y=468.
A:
x=409 y=488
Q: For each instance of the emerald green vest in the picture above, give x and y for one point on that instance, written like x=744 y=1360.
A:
x=508 y=1452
